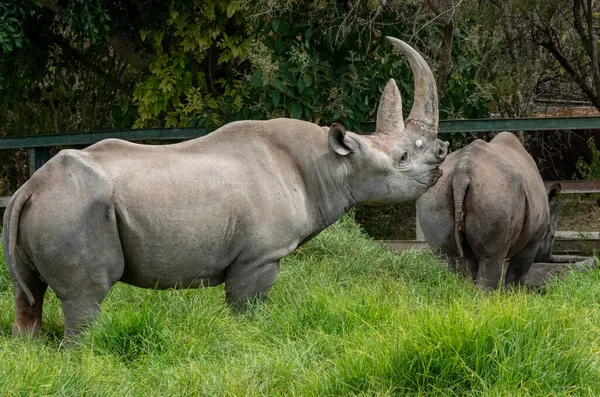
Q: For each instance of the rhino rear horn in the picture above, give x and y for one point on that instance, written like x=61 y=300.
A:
x=424 y=112
x=389 y=114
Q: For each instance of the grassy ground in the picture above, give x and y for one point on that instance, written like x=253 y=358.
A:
x=346 y=317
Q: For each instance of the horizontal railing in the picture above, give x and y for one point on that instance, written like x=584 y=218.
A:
x=445 y=126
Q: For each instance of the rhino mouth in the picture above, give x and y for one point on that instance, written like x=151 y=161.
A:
x=435 y=177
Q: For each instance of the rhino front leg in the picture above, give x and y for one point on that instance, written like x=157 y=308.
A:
x=81 y=311
x=245 y=283
x=81 y=304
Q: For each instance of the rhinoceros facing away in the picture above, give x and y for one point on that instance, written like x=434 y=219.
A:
x=224 y=208
x=490 y=204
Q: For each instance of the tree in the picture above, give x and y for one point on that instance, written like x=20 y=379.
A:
x=566 y=30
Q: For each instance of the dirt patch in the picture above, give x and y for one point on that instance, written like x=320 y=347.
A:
x=388 y=222
x=579 y=212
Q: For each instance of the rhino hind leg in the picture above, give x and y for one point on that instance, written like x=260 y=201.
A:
x=246 y=284
x=466 y=267
x=519 y=265
x=490 y=272
x=28 y=317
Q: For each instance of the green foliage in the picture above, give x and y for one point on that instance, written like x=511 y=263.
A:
x=88 y=18
x=319 y=63
x=306 y=76
x=591 y=170
x=11 y=31
x=211 y=62
x=299 y=60
x=345 y=317
x=191 y=78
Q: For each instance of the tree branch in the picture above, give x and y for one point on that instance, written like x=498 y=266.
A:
x=77 y=56
x=125 y=48
x=445 y=67
x=47 y=4
x=122 y=45
x=578 y=22
x=579 y=80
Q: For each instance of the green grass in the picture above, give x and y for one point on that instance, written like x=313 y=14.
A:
x=345 y=317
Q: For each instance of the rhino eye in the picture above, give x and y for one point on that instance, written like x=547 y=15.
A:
x=404 y=157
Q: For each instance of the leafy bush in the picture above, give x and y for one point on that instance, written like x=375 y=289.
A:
x=591 y=170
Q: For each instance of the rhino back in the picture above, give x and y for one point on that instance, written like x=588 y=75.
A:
x=505 y=204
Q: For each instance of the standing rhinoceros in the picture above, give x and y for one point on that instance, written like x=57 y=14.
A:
x=490 y=204
x=224 y=208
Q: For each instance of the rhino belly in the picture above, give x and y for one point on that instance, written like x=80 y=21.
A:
x=158 y=264
x=174 y=252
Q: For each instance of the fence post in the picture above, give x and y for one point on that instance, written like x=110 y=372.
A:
x=37 y=157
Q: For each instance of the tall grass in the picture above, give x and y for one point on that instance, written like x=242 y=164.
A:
x=345 y=317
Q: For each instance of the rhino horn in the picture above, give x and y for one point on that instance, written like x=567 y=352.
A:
x=389 y=114
x=424 y=112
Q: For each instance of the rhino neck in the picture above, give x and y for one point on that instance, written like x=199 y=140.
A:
x=329 y=186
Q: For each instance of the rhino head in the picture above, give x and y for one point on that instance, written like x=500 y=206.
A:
x=544 y=253
x=400 y=161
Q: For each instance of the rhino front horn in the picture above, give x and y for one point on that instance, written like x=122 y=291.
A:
x=424 y=113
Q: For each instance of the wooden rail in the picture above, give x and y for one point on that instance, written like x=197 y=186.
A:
x=577 y=187
x=562 y=245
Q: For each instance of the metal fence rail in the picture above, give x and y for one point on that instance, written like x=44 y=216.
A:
x=39 y=145
x=445 y=126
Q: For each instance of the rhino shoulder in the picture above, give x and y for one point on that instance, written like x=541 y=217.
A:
x=506 y=138
x=112 y=144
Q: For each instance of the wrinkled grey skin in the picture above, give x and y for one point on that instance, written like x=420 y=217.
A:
x=490 y=204
x=224 y=208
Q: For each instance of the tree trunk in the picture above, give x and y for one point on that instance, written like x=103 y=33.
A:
x=445 y=67
x=593 y=47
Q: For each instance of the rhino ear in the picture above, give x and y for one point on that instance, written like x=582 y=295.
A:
x=553 y=191
x=389 y=115
x=339 y=142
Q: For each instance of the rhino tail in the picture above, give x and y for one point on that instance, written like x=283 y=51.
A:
x=460 y=184
x=13 y=215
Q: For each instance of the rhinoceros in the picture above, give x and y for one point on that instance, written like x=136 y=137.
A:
x=489 y=205
x=223 y=208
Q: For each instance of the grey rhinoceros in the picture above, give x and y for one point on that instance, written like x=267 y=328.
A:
x=224 y=208
x=490 y=204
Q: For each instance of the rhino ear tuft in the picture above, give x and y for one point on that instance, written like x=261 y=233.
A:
x=340 y=142
x=389 y=115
